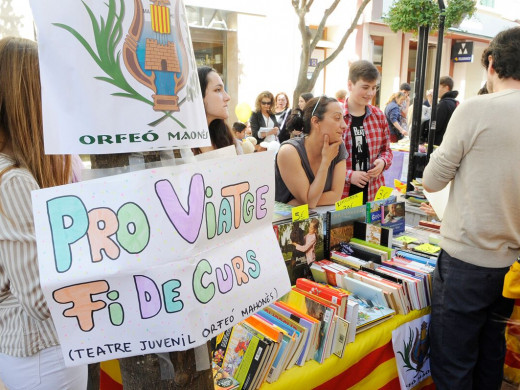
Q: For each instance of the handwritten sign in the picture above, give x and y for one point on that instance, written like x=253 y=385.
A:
x=428 y=248
x=350 y=202
x=158 y=260
x=115 y=80
x=383 y=192
x=406 y=239
x=300 y=213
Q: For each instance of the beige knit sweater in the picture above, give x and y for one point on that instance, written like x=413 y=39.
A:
x=480 y=152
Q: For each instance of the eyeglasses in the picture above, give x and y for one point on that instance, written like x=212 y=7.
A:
x=316 y=106
x=266 y=103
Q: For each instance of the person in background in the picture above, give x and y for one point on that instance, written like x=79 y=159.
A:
x=367 y=136
x=249 y=132
x=216 y=101
x=311 y=170
x=240 y=131
x=445 y=108
x=281 y=112
x=393 y=116
x=30 y=355
x=480 y=232
x=303 y=99
x=429 y=97
x=263 y=121
x=405 y=105
x=341 y=95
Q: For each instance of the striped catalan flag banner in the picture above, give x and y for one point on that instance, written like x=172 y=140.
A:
x=368 y=363
x=160 y=19
x=512 y=362
x=110 y=376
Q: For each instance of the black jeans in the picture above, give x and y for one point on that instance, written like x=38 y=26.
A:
x=468 y=321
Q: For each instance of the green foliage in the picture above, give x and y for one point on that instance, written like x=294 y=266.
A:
x=409 y=15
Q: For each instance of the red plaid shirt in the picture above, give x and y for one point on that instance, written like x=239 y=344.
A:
x=378 y=139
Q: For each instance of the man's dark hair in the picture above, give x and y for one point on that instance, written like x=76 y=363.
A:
x=363 y=70
x=405 y=87
x=505 y=50
x=446 y=81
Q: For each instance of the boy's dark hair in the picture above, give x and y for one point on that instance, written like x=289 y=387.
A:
x=239 y=127
x=505 y=50
x=447 y=81
x=363 y=70
x=405 y=87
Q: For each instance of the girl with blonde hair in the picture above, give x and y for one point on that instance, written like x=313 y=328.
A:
x=30 y=356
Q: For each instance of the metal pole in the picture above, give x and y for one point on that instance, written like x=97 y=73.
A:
x=433 y=118
x=420 y=73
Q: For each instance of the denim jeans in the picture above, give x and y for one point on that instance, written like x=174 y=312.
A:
x=44 y=370
x=468 y=322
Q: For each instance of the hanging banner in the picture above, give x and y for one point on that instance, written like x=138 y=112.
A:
x=412 y=352
x=118 y=76
x=158 y=260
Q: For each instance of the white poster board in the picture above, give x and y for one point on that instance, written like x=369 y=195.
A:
x=411 y=344
x=158 y=260
x=439 y=200
x=117 y=76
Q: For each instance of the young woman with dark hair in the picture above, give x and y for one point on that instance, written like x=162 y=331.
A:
x=311 y=170
x=216 y=102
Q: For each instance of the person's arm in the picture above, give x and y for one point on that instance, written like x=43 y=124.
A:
x=383 y=160
x=394 y=118
x=294 y=177
x=445 y=161
x=338 y=182
x=18 y=246
x=254 y=121
x=310 y=239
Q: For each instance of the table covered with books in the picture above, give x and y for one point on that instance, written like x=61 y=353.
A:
x=368 y=363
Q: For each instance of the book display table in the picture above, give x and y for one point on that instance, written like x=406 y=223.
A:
x=368 y=363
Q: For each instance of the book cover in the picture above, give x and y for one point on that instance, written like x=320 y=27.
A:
x=238 y=343
x=372 y=233
x=311 y=324
x=368 y=312
x=393 y=216
x=265 y=361
x=374 y=208
x=332 y=295
x=340 y=337
x=371 y=294
x=222 y=380
x=317 y=310
x=247 y=361
x=340 y=227
x=301 y=243
x=220 y=345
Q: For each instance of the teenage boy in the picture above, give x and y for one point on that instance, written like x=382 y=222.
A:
x=367 y=137
x=481 y=226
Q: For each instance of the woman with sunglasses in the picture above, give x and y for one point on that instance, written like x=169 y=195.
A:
x=263 y=121
x=311 y=170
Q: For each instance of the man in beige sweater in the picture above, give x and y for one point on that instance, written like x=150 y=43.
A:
x=480 y=154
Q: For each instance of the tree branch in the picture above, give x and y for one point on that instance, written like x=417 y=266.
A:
x=329 y=59
x=321 y=26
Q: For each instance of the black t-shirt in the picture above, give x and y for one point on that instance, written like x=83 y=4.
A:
x=360 y=153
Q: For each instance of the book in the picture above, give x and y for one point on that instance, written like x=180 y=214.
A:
x=340 y=337
x=222 y=380
x=352 y=318
x=369 y=313
x=371 y=294
x=323 y=291
x=393 y=216
x=340 y=227
x=310 y=323
x=301 y=244
x=372 y=233
x=221 y=343
x=238 y=343
x=323 y=313
x=374 y=208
